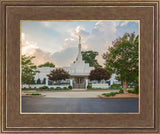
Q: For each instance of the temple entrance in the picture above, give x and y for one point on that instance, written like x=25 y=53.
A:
x=79 y=82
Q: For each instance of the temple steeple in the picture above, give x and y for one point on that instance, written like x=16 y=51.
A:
x=79 y=46
x=79 y=57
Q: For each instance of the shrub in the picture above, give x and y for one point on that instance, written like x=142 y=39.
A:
x=65 y=88
x=51 y=88
x=89 y=87
x=130 y=91
x=113 y=86
x=58 y=87
x=69 y=87
x=44 y=87
x=29 y=88
x=136 y=89
x=110 y=94
x=44 y=81
x=107 y=94
x=38 y=81
x=120 y=91
x=34 y=94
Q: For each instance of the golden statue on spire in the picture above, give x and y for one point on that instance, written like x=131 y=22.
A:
x=79 y=38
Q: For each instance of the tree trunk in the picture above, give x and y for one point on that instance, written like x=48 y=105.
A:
x=125 y=85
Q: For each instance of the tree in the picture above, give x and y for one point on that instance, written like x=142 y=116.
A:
x=58 y=75
x=47 y=64
x=44 y=81
x=99 y=74
x=122 y=59
x=38 y=81
x=89 y=57
x=29 y=70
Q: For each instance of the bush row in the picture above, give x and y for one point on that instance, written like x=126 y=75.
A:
x=47 y=88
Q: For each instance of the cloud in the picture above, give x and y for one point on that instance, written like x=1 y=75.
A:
x=46 y=24
x=31 y=48
x=28 y=47
x=61 y=58
x=79 y=30
x=72 y=40
x=99 y=38
x=41 y=56
x=65 y=57
x=124 y=23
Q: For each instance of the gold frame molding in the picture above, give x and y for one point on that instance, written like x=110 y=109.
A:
x=13 y=11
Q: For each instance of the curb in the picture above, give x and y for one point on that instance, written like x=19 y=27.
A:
x=114 y=97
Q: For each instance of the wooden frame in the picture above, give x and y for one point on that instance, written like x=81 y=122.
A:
x=12 y=11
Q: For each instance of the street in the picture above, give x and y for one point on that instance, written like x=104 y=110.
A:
x=78 y=105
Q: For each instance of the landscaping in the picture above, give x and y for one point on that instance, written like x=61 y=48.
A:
x=33 y=94
x=112 y=87
x=135 y=91
x=113 y=93
x=46 y=88
x=131 y=93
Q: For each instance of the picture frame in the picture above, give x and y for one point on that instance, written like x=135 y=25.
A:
x=13 y=11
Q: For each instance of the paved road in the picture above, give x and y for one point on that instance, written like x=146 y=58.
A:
x=78 y=105
x=72 y=93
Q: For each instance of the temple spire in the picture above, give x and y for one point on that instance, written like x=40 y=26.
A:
x=79 y=57
x=79 y=45
x=79 y=39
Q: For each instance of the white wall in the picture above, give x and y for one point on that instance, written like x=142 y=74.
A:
x=100 y=85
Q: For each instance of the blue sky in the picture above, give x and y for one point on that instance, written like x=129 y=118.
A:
x=57 y=41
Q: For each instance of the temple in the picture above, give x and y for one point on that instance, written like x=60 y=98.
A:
x=79 y=72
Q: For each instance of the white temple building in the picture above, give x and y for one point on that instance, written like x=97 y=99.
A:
x=79 y=72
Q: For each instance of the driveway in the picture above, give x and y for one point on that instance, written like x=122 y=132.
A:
x=72 y=93
x=78 y=105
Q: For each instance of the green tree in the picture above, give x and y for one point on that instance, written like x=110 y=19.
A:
x=122 y=59
x=90 y=57
x=44 y=81
x=38 y=81
x=47 y=64
x=58 y=75
x=99 y=74
x=29 y=70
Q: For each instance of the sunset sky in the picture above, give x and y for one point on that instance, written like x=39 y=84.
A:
x=57 y=41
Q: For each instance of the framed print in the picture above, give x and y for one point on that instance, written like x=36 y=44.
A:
x=79 y=66
x=75 y=78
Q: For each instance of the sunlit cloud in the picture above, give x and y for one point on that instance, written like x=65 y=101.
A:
x=46 y=24
x=124 y=23
x=59 y=43
x=28 y=47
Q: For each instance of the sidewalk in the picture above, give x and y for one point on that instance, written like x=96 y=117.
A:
x=71 y=94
